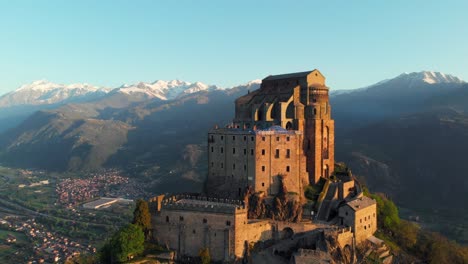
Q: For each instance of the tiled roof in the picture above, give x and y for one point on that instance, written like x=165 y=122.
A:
x=360 y=203
x=287 y=76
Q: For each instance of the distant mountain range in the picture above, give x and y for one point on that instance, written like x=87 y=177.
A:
x=405 y=136
x=17 y=105
x=406 y=93
x=46 y=93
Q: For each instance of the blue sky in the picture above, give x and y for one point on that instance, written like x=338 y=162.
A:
x=107 y=43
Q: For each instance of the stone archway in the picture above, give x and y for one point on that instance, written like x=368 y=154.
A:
x=348 y=253
x=287 y=233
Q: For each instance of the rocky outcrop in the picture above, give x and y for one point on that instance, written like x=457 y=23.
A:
x=283 y=207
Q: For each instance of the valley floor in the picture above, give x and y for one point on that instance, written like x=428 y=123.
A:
x=36 y=223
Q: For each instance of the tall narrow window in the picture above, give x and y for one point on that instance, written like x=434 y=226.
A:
x=233 y=138
x=263 y=168
x=212 y=149
x=288 y=153
x=251 y=152
x=277 y=138
x=222 y=150
x=222 y=165
x=287 y=169
x=277 y=153
x=233 y=150
x=245 y=138
x=325 y=143
x=263 y=138
x=245 y=151
x=263 y=152
x=233 y=166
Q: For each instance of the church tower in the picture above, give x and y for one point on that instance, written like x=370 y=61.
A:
x=319 y=133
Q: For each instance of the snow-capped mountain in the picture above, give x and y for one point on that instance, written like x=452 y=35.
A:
x=420 y=78
x=43 y=92
x=407 y=81
x=433 y=77
x=164 y=90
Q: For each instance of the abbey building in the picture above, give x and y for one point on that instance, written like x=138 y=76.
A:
x=280 y=142
x=284 y=129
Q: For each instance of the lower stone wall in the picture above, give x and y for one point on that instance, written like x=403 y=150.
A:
x=224 y=235
x=345 y=237
x=256 y=230
x=188 y=232
x=296 y=227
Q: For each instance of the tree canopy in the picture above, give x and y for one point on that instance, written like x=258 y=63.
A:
x=125 y=244
x=141 y=214
x=427 y=246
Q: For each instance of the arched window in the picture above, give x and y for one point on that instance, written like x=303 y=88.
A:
x=260 y=114
x=290 y=110
x=275 y=111
x=326 y=140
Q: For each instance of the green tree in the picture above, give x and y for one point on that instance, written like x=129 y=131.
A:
x=125 y=244
x=142 y=216
x=407 y=234
x=205 y=256
x=387 y=213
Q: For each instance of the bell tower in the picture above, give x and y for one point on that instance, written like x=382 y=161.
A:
x=319 y=133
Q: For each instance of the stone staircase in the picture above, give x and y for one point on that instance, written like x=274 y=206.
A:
x=383 y=253
x=327 y=202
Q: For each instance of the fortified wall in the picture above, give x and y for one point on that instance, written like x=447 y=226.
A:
x=189 y=224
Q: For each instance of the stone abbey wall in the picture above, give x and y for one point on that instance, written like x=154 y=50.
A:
x=280 y=155
x=257 y=159
x=231 y=161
